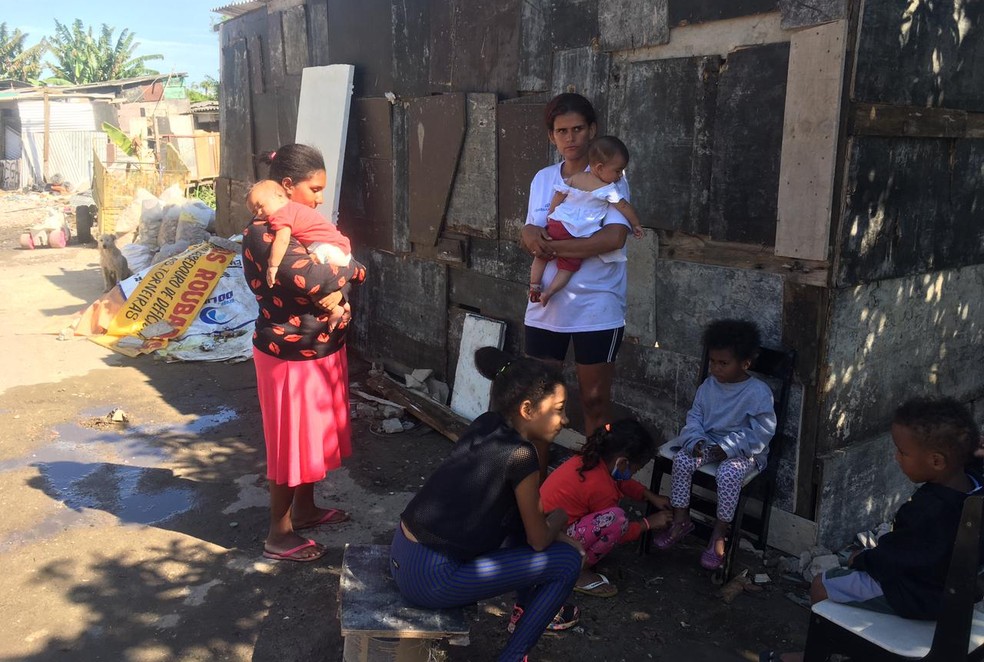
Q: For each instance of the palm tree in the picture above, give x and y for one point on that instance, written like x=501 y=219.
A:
x=17 y=62
x=80 y=57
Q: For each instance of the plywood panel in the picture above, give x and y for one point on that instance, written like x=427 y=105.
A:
x=317 y=36
x=921 y=54
x=411 y=52
x=688 y=12
x=522 y=152
x=573 y=23
x=289 y=95
x=627 y=24
x=276 y=65
x=585 y=71
x=658 y=110
x=435 y=132
x=747 y=144
x=800 y=14
x=485 y=46
x=361 y=34
x=472 y=205
x=366 y=206
x=897 y=210
x=322 y=122
x=811 y=127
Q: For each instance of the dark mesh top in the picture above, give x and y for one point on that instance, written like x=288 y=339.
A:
x=468 y=505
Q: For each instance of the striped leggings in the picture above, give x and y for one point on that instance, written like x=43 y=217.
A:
x=542 y=581
x=730 y=474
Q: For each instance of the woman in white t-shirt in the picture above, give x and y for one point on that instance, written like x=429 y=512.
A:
x=590 y=310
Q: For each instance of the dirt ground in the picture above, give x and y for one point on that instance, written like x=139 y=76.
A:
x=141 y=541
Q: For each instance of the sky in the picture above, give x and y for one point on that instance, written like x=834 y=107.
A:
x=180 y=30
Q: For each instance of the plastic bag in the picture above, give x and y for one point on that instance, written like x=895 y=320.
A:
x=137 y=256
x=169 y=225
x=151 y=215
x=129 y=218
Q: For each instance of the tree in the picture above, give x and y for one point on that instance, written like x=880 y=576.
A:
x=80 y=57
x=17 y=62
x=206 y=90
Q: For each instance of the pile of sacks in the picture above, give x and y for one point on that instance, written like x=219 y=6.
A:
x=165 y=226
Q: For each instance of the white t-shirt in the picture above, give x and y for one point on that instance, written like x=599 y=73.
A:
x=594 y=299
x=582 y=212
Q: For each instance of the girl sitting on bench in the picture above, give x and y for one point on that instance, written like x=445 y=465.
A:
x=448 y=550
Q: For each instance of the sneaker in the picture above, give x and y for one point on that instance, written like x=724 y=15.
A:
x=517 y=613
x=566 y=618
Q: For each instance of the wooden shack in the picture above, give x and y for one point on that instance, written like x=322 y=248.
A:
x=816 y=167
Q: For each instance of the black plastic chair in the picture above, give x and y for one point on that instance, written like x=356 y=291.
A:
x=776 y=367
x=958 y=634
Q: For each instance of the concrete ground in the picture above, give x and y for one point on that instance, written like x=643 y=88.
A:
x=141 y=541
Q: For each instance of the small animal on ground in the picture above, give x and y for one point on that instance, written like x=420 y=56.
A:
x=114 y=266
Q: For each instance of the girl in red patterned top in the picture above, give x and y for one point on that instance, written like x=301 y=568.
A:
x=301 y=364
x=589 y=487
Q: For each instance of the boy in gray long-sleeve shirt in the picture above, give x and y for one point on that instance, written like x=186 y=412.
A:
x=730 y=423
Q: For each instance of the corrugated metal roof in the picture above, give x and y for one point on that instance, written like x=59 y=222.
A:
x=235 y=9
x=63 y=115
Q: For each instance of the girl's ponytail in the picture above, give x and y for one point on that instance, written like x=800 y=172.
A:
x=593 y=450
x=625 y=438
x=515 y=380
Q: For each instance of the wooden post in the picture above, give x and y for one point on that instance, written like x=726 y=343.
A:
x=47 y=127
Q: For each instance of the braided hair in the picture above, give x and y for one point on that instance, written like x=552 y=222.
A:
x=625 y=438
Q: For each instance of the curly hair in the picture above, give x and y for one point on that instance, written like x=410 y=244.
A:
x=941 y=425
x=515 y=380
x=625 y=438
x=739 y=336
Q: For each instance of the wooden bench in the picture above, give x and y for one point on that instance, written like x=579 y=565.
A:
x=378 y=624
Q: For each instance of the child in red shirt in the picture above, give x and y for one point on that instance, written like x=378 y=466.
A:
x=589 y=487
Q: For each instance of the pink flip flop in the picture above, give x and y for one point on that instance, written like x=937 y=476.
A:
x=326 y=519
x=291 y=554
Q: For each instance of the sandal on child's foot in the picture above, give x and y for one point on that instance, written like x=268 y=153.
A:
x=672 y=535
x=710 y=559
x=566 y=618
x=536 y=290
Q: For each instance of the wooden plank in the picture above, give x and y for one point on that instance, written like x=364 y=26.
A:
x=317 y=35
x=277 y=65
x=322 y=122
x=521 y=144
x=472 y=204
x=360 y=34
x=257 y=64
x=747 y=145
x=799 y=14
x=873 y=119
x=811 y=128
x=535 y=46
x=289 y=94
x=436 y=131
x=266 y=124
x=692 y=248
x=627 y=24
x=371 y=605
x=411 y=48
x=963 y=243
x=366 y=206
x=432 y=413
x=450 y=249
x=295 y=41
x=401 y=188
x=441 y=44
x=470 y=397
x=373 y=128
x=236 y=113
x=224 y=226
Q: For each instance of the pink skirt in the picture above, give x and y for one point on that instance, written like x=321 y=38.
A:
x=305 y=408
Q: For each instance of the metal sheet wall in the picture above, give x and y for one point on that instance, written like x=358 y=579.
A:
x=70 y=155
x=63 y=115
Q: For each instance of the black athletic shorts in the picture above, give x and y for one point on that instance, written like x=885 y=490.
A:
x=590 y=347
